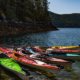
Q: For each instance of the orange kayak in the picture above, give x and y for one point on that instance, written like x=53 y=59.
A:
x=26 y=60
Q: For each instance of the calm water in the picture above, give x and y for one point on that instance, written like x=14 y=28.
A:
x=64 y=36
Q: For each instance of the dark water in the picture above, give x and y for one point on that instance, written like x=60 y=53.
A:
x=64 y=36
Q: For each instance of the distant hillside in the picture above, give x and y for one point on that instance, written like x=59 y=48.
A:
x=66 y=20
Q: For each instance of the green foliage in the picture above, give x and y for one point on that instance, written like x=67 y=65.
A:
x=24 y=10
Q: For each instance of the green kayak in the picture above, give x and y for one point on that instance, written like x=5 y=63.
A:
x=11 y=64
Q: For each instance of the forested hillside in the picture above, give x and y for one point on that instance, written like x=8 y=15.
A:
x=23 y=10
x=66 y=20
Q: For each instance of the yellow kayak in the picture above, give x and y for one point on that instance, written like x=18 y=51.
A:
x=65 y=47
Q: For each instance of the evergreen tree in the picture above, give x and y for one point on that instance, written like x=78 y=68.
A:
x=25 y=10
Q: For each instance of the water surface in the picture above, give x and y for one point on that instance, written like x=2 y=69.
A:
x=63 y=36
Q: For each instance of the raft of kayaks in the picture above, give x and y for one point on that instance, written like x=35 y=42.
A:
x=46 y=55
x=26 y=60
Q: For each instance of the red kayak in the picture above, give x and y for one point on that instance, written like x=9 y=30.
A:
x=57 y=61
x=53 y=60
x=25 y=60
x=5 y=50
x=67 y=50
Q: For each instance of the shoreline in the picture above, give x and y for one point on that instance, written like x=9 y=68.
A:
x=16 y=29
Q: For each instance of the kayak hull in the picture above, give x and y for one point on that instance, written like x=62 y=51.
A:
x=69 y=57
x=38 y=67
x=55 y=61
x=58 y=61
x=67 y=51
x=65 y=47
x=19 y=75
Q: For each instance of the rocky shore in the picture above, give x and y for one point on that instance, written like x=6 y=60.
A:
x=19 y=28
